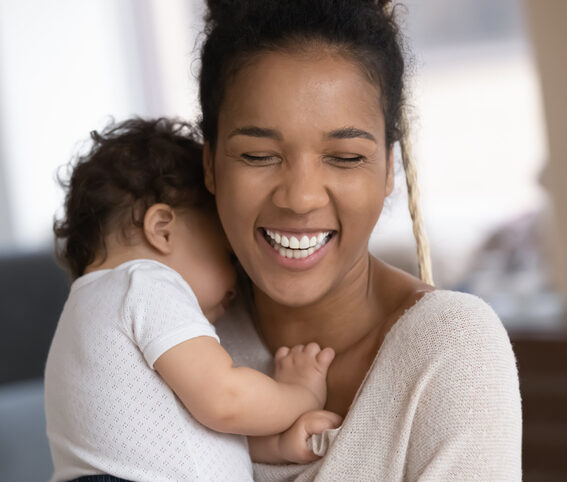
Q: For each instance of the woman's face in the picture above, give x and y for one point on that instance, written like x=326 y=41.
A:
x=300 y=172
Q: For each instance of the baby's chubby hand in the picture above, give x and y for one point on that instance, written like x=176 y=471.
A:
x=293 y=442
x=307 y=366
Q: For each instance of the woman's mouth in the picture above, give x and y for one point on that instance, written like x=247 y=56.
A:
x=296 y=246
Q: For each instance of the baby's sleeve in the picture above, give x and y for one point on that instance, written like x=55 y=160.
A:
x=160 y=311
x=467 y=425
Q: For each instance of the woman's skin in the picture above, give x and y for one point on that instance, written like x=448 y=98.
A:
x=300 y=151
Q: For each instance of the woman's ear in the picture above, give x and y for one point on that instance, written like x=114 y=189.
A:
x=390 y=172
x=159 y=222
x=209 y=167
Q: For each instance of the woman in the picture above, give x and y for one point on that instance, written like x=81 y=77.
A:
x=302 y=105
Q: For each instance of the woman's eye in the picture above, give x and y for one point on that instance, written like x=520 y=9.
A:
x=259 y=160
x=346 y=159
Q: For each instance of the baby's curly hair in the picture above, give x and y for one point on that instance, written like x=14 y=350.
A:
x=130 y=166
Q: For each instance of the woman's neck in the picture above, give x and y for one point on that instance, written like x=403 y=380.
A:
x=341 y=319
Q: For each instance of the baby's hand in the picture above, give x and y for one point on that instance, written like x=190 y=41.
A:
x=306 y=366
x=293 y=442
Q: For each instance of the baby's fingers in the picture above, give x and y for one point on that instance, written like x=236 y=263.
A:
x=282 y=352
x=321 y=420
x=312 y=349
x=326 y=356
x=297 y=349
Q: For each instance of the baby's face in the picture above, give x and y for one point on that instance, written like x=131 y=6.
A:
x=202 y=256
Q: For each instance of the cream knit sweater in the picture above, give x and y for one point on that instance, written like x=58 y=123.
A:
x=440 y=402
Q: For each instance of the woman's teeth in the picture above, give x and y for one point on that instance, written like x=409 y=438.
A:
x=296 y=247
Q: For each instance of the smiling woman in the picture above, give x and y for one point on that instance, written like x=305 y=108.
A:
x=302 y=105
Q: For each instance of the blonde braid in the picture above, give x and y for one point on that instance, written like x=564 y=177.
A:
x=423 y=254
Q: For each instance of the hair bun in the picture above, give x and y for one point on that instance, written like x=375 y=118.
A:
x=229 y=12
x=223 y=11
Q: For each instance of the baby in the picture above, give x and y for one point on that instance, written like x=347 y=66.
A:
x=137 y=385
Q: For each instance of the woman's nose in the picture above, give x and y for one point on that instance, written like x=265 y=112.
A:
x=302 y=186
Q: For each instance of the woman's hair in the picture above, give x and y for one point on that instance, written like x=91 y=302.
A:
x=131 y=165
x=362 y=30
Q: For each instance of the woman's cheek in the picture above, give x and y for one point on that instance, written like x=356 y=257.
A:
x=236 y=204
x=360 y=195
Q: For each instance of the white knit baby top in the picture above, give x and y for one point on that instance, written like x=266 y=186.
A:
x=441 y=401
x=107 y=410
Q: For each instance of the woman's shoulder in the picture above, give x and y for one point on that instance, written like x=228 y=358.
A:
x=454 y=302
x=450 y=358
x=450 y=325
x=450 y=350
x=418 y=309
x=451 y=313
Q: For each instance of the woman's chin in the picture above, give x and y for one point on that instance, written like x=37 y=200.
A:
x=292 y=294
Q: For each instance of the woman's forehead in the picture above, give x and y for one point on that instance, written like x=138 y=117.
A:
x=296 y=89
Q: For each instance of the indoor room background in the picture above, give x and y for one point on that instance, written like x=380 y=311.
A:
x=486 y=112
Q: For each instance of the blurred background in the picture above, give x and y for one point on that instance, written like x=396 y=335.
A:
x=488 y=108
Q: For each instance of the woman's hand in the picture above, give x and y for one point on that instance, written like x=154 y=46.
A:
x=305 y=365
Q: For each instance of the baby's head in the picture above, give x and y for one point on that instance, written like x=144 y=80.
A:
x=139 y=193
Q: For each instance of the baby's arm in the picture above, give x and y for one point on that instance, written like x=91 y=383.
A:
x=241 y=400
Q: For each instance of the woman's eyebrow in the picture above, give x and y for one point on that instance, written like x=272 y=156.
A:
x=255 y=131
x=350 y=133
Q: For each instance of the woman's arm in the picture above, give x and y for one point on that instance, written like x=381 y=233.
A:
x=241 y=400
x=467 y=422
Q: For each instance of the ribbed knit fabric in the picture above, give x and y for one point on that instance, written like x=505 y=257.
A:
x=441 y=401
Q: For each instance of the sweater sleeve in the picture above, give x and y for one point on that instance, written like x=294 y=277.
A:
x=467 y=420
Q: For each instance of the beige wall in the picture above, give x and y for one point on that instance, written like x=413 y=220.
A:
x=546 y=22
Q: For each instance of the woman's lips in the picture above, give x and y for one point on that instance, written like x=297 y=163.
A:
x=296 y=245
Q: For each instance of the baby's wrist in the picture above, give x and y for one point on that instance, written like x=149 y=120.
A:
x=285 y=449
x=316 y=402
x=303 y=398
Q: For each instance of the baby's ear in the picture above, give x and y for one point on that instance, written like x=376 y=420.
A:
x=209 y=167
x=159 y=222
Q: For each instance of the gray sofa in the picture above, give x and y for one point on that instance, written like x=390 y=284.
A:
x=33 y=290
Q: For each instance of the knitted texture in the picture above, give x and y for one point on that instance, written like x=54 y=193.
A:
x=107 y=410
x=440 y=402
